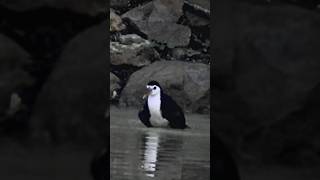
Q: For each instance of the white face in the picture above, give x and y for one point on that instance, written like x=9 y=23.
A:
x=154 y=90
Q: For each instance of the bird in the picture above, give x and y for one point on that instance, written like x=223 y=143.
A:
x=160 y=110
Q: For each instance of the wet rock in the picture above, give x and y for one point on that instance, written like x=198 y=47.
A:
x=157 y=19
x=114 y=85
x=82 y=6
x=275 y=69
x=115 y=22
x=72 y=103
x=187 y=83
x=132 y=50
x=13 y=76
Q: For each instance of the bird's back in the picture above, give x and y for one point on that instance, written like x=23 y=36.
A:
x=172 y=112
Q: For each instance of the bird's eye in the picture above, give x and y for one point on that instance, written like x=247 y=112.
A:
x=154 y=87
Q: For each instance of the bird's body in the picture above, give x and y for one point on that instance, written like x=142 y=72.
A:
x=160 y=110
x=156 y=118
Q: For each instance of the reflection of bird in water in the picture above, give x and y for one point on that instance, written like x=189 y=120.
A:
x=160 y=110
x=100 y=165
x=159 y=149
x=151 y=145
x=224 y=166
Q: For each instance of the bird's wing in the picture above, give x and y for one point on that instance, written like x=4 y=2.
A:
x=144 y=115
x=172 y=112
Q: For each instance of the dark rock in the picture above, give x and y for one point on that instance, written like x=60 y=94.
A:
x=187 y=83
x=158 y=19
x=132 y=50
x=119 y=3
x=14 y=77
x=199 y=5
x=72 y=103
x=126 y=4
x=179 y=53
x=196 y=20
x=197 y=12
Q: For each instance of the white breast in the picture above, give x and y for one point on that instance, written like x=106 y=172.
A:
x=154 y=104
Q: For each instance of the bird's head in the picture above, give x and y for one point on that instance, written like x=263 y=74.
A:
x=153 y=88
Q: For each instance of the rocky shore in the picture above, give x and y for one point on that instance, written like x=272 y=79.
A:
x=163 y=40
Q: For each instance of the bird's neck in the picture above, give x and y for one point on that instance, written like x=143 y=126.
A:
x=156 y=96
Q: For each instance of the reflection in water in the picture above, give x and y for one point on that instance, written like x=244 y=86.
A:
x=150 y=153
x=159 y=151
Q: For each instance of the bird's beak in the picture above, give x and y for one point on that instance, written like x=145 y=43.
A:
x=147 y=93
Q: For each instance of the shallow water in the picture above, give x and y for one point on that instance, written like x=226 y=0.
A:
x=140 y=153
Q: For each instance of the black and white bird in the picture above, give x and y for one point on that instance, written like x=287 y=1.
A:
x=160 y=110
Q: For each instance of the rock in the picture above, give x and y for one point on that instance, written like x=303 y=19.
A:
x=187 y=83
x=72 y=103
x=132 y=50
x=115 y=22
x=81 y=6
x=114 y=85
x=181 y=53
x=13 y=76
x=196 y=20
x=174 y=35
x=119 y=3
x=157 y=19
x=199 y=5
x=123 y=5
x=197 y=12
x=166 y=10
x=275 y=65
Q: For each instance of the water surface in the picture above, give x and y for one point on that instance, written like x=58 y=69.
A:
x=140 y=153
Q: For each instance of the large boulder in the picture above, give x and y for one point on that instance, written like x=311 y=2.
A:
x=91 y=7
x=187 y=83
x=13 y=76
x=275 y=64
x=157 y=19
x=132 y=50
x=72 y=103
